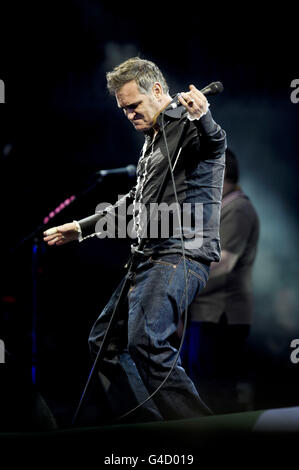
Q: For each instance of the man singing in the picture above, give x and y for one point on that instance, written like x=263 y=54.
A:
x=141 y=353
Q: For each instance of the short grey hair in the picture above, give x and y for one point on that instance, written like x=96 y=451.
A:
x=144 y=72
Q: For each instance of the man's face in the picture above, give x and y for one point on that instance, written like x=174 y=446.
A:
x=139 y=108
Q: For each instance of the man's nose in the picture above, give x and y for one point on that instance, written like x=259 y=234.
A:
x=130 y=114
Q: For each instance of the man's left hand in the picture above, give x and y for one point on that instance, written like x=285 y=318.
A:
x=195 y=102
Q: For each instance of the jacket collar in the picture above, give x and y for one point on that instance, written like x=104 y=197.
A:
x=173 y=113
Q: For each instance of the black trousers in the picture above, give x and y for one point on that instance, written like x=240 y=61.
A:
x=214 y=357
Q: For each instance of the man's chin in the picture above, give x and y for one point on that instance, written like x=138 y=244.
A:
x=141 y=126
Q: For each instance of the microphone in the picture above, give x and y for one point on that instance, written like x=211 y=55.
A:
x=129 y=170
x=212 y=89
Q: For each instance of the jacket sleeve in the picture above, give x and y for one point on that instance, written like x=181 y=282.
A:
x=207 y=138
x=110 y=215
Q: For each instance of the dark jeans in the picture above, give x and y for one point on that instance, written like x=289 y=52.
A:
x=214 y=356
x=140 y=353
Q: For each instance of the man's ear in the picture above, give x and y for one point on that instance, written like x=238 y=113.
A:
x=157 y=90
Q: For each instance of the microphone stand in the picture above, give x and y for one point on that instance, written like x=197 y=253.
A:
x=34 y=237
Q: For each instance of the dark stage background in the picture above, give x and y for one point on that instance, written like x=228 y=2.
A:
x=59 y=126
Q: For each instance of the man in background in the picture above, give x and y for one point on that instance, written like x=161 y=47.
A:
x=213 y=352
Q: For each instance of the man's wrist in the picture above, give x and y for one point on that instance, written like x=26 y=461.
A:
x=78 y=228
x=194 y=118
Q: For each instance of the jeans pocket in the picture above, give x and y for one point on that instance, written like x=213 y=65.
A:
x=196 y=281
x=202 y=268
x=167 y=260
x=164 y=263
x=199 y=276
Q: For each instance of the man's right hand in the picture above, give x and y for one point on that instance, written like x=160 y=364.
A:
x=62 y=234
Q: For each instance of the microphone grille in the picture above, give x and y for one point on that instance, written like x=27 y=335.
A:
x=219 y=87
x=131 y=169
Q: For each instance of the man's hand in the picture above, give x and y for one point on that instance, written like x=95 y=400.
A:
x=195 y=102
x=62 y=234
x=225 y=265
